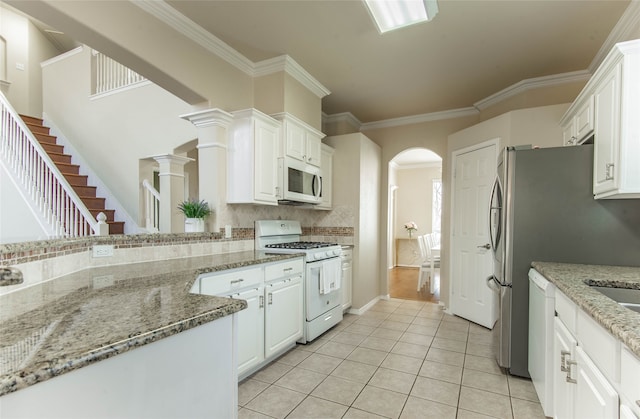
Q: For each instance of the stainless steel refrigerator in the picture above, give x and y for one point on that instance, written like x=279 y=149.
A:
x=542 y=209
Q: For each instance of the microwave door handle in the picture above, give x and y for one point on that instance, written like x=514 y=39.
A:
x=316 y=190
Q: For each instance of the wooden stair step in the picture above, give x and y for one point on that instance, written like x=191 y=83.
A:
x=60 y=157
x=52 y=148
x=66 y=168
x=88 y=191
x=116 y=227
x=93 y=203
x=45 y=138
x=32 y=120
x=76 y=180
x=36 y=128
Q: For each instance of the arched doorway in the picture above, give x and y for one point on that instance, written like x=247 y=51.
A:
x=415 y=196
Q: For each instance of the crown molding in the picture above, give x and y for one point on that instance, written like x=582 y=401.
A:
x=417 y=119
x=179 y=22
x=176 y=20
x=347 y=117
x=626 y=26
x=290 y=66
x=534 y=83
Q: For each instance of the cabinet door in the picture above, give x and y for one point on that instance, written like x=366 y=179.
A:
x=563 y=391
x=250 y=329
x=584 y=121
x=347 y=275
x=266 y=164
x=313 y=150
x=284 y=314
x=595 y=398
x=607 y=130
x=295 y=139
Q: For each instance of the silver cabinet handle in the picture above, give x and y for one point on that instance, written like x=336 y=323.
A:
x=563 y=360
x=261 y=301
x=569 y=379
x=287 y=270
x=608 y=174
x=237 y=281
x=270 y=298
x=484 y=246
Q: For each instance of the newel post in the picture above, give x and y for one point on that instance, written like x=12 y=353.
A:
x=212 y=127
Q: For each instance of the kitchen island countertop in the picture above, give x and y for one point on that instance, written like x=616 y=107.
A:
x=621 y=322
x=72 y=321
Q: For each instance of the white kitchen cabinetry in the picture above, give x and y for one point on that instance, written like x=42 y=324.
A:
x=629 y=383
x=347 y=277
x=273 y=320
x=300 y=140
x=326 y=172
x=577 y=124
x=283 y=305
x=584 y=365
x=252 y=159
x=614 y=91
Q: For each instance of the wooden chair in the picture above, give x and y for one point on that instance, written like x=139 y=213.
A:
x=424 y=262
x=433 y=255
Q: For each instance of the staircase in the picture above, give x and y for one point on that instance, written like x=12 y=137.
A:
x=78 y=182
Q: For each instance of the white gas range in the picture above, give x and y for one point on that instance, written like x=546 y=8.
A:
x=323 y=272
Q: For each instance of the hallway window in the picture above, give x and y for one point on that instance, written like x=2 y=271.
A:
x=436 y=205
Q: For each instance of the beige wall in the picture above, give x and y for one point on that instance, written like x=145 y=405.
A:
x=414 y=199
x=25 y=47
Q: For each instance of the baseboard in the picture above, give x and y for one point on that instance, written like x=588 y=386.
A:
x=360 y=311
x=406 y=266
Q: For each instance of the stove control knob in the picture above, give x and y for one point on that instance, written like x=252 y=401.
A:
x=336 y=252
x=321 y=255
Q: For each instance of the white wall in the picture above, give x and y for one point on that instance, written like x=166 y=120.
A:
x=17 y=222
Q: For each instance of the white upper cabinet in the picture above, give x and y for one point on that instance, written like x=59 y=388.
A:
x=577 y=125
x=300 y=140
x=252 y=159
x=614 y=95
x=326 y=173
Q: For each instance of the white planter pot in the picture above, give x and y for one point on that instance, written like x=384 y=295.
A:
x=194 y=225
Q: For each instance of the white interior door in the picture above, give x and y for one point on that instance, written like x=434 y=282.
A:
x=471 y=260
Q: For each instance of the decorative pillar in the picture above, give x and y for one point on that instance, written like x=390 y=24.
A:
x=171 y=191
x=212 y=126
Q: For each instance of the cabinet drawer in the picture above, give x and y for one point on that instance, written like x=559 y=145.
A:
x=600 y=345
x=283 y=269
x=567 y=311
x=224 y=283
x=630 y=379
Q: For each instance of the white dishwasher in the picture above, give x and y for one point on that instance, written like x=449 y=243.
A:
x=541 y=314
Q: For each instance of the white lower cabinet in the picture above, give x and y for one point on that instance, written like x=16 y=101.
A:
x=347 y=278
x=564 y=345
x=274 y=318
x=595 y=397
x=586 y=367
x=283 y=317
x=250 y=329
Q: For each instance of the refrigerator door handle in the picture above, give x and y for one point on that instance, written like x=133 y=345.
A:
x=495 y=206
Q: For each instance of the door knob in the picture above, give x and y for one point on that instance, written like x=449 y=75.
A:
x=484 y=246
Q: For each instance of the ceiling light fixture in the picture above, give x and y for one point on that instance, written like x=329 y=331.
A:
x=393 y=14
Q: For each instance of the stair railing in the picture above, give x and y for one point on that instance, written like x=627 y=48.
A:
x=151 y=207
x=111 y=75
x=43 y=182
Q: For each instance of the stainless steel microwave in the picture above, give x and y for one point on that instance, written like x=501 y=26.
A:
x=301 y=182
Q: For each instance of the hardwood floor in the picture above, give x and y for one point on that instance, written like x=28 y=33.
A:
x=404 y=281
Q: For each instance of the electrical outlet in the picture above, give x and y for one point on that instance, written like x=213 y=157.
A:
x=103 y=281
x=103 y=250
x=227 y=231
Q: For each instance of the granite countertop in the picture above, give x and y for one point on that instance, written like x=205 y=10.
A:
x=621 y=322
x=69 y=322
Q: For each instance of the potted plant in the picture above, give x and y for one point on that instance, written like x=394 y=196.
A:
x=194 y=212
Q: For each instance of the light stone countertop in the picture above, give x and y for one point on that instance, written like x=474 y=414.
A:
x=621 y=322
x=69 y=322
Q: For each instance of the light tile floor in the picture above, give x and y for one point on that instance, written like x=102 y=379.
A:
x=401 y=359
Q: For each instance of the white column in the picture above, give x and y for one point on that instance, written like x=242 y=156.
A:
x=171 y=191
x=212 y=125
